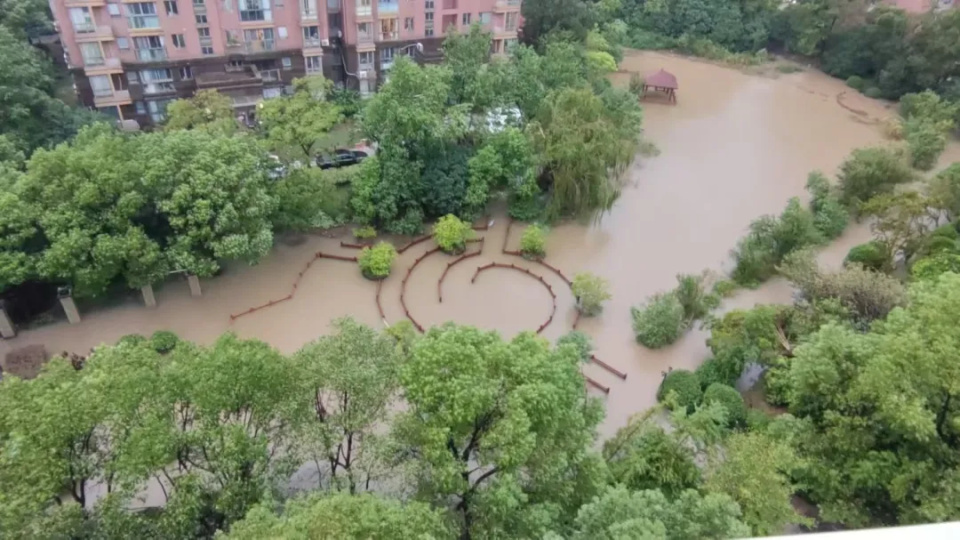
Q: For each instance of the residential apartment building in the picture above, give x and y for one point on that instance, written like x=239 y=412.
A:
x=131 y=58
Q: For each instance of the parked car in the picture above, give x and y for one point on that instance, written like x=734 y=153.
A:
x=341 y=157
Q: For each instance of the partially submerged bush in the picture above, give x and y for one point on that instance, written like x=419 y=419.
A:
x=683 y=387
x=730 y=399
x=829 y=216
x=367 y=232
x=533 y=242
x=377 y=261
x=855 y=82
x=451 y=234
x=712 y=371
x=591 y=291
x=636 y=84
x=580 y=341
x=659 y=322
x=131 y=339
x=926 y=141
x=869 y=172
x=770 y=239
x=163 y=341
x=692 y=297
x=870 y=255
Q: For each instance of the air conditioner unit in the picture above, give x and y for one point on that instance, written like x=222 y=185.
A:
x=324 y=42
x=362 y=75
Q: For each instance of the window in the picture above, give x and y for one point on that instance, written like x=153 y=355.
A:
x=198 y=3
x=311 y=35
x=429 y=5
x=158 y=109
x=364 y=30
x=255 y=10
x=511 y=22
x=100 y=84
x=313 y=64
x=366 y=58
x=156 y=81
x=408 y=24
x=282 y=32
x=206 y=50
x=203 y=32
x=170 y=6
x=81 y=20
x=428 y=30
x=91 y=53
x=428 y=24
x=201 y=19
x=141 y=108
x=259 y=39
x=235 y=65
x=178 y=41
x=485 y=17
x=509 y=45
x=113 y=10
x=286 y=62
x=388 y=29
x=142 y=15
x=123 y=43
x=186 y=73
x=307 y=9
x=150 y=48
x=386 y=54
x=466 y=19
x=119 y=83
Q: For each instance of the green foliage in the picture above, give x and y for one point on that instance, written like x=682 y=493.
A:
x=724 y=288
x=131 y=339
x=504 y=161
x=541 y=18
x=743 y=337
x=302 y=197
x=636 y=84
x=713 y=371
x=873 y=92
x=376 y=262
x=533 y=242
x=695 y=24
x=869 y=172
x=681 y=388
x=301 y=119
x=489 y=406
x=730 y=399
x=943 y=191
x=830 y=218
x=643 y=456
x=692 y=296
x=348 y=101
x=365 y=233
x=770 y=240
x=856 y=82
x=451 y=234
x=207 y=109
x=591 y=291
x=163 y=341
x=580 y=341
x=925 y=141
x=932 y=266
x=659 y=322
x=870 y=255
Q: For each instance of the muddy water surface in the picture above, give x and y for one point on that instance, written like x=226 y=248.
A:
x=735 y=147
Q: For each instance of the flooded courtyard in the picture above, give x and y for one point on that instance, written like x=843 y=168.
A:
x=736 y=146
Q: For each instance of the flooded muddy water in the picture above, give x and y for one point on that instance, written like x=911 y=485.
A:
x=735 y=147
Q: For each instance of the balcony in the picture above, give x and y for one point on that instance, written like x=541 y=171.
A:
x=364 y=13
x=101 y=66
x=158 y=87
x=151 y=55
x=111 y=98
x=388 y=36
x=84 y=3
x=506 y=5
x=199 y=9
x=388 y=9
x=144 y=24
x=270 y=75
x=312 y=43
x=308 y=16
x=259 y=46
x=87 y=32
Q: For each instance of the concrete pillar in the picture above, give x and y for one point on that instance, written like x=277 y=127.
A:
x=70 y=308
x=6 y=325
x=148 y=299
x=194 y=282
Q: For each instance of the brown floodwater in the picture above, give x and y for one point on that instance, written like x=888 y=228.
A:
x=735 y=147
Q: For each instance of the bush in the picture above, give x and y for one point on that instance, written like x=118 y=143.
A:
x=925 y=141
x=525 y=208
x=377 y=261
x=731 y=400
x=725 y=288
x=855 y=82
x=770 y=239
x=580 y=341
x=757 y=420
x=712 y=371
x=533 y=242
x=660 y=322
x=163 y=341
x=684 y=385
x=348 y=100
x=451 y=234
x=301 y=198
x=870 y=255
x=873 y=92
x=131 y=339
x=636 y=84
x=591 y=291
x=692 y=297
x=869 y=172
x=931 y=267
x=830 y=218
x=366 y=232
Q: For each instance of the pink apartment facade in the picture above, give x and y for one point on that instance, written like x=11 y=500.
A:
x=130 y=59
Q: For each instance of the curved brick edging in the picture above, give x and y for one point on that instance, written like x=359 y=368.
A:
x=595 y=384
x=553 y=295
x=403 y=285
x=453 y=263
x=296 y=283
x=414 y=242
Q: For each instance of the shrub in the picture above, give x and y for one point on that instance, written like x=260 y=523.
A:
x=591 y=291
x=451 y=234
x=725 y=288
x=411 y=223
x=660 y=322
x=684 y=385
x=869 y=172
x=893 y=128
x=770 y=239
x=757 y=420
x=855 y=82
x=692 y=297
x=731 y=400
x=636 y=84
x=931 y=267
x=580 y=341
x=533 y=242
x=647 y=457
x=528 y=208
x=366 y=232
x=926 y=141
x=712 y=371
x=301 y=199
x=131 y=339
x=377 y=261
x=829 y=216
x=869 y=255
x=873 y=92
x=163 y=341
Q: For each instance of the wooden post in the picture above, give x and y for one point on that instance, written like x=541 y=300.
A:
x=148 y=299
x=65 y=294
x=7 y=331
x=194 y=282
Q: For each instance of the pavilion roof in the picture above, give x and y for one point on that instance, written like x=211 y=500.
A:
x=661 y=79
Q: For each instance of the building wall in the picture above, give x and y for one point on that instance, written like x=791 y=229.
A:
x=395 y=28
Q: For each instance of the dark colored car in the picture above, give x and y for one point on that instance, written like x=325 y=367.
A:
x=342 y=157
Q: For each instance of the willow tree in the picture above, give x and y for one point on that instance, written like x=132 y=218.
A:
x=585 y=146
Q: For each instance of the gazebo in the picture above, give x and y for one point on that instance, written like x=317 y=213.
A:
x=663 y=82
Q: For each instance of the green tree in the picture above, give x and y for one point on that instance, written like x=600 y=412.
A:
x=505 y=160
x=591 y=291
x=753 y=470
x=301 y=119
x=644 y=456
x=944 y=191
x=869 y=172
x=351 y=377
x=619 y=513
x=207 y=109
x=659 y=322
x=542 y=17
x=501 y=436
x=342 y=516
x=451 y=234
x=533 y=242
